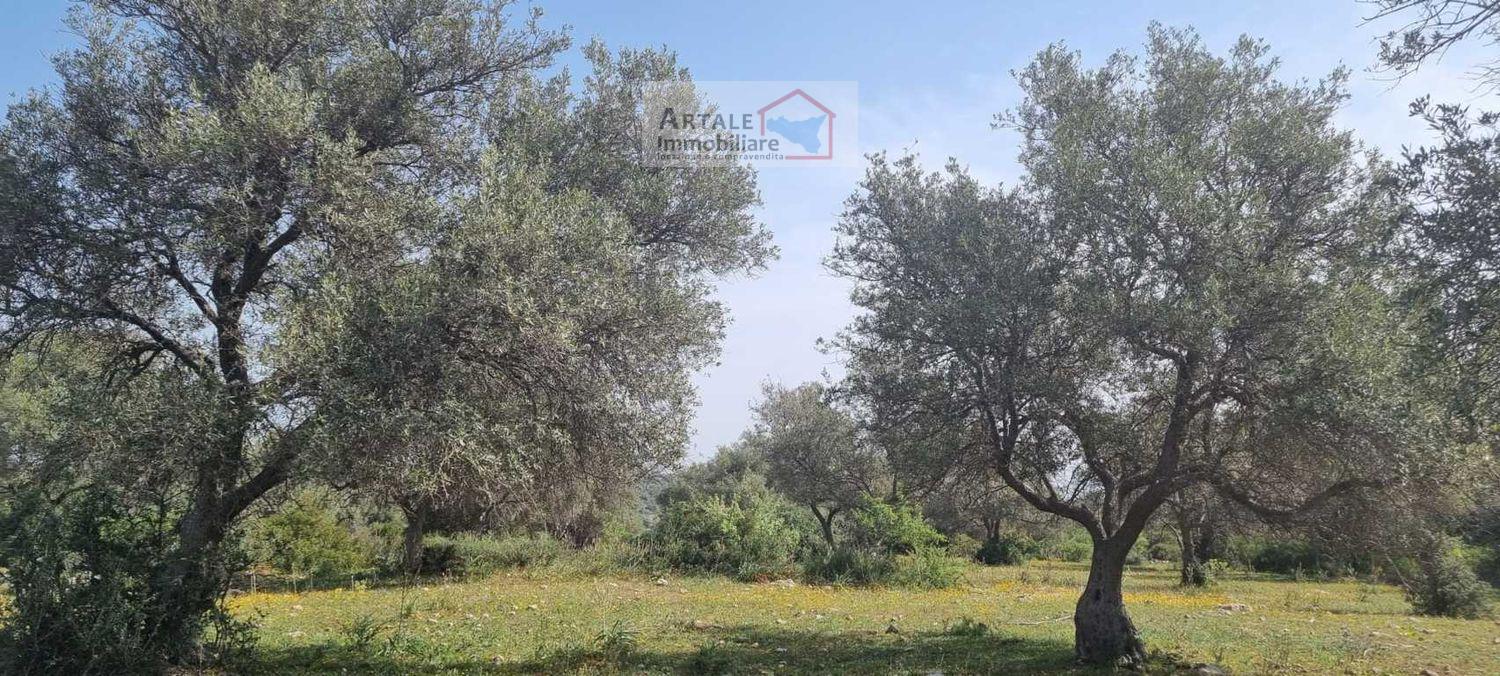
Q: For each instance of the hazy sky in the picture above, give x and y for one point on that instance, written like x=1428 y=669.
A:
x=931 y=76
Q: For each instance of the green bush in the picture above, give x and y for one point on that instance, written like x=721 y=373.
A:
x=849 y=565
x=1287 y=557
x=1009 y=549
x=963 y=546
x=893 y=528
x=755 y=540
x=1447 y=586
x=478 y=555
x=440 y=557
x=79 y=574
x=306 y=538
x=1163 y=548
x=1073 y=545
x=481 y=555
x=1481 y=532
x=1139 y=553
x=927 y=568
x=1487 y=565
x=1300 y=558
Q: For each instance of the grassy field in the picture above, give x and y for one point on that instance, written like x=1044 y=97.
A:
x=537 y=623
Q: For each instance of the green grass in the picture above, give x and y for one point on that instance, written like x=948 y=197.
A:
x=539 y=623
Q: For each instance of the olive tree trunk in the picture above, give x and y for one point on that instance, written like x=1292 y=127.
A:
x=1198 y=537
x=416 y=528
x=825 y=522
x=1193 y=572
x=1102 y=630
x=187 y=586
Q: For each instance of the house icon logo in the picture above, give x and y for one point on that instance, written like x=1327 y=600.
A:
x=684 y=123
x=803 y=121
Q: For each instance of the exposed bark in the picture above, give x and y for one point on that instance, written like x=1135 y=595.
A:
x=187 y=588
x=189 y=584
x=825 y=521
x=416 y=527
x=1102 y=630
x=1194 y=537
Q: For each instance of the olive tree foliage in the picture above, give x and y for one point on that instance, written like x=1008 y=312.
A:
x=200 y=168
x=1179 y=293
x=735 y=473
x=1450 y=240
x=689 y=220
x=529 y=337
x=302 y=212
x=813 y=452
x=922 y=451
x=1450 y=244
x=595 y=266
x=973 y=499
x=1431 y=28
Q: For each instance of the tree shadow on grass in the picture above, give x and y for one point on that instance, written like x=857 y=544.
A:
x=759 y=649
x=729 y=650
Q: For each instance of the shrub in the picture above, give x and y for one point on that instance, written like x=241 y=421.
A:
x=963 y=546
x=1481 y=531
x=1301 y=557
x=1071 y=545
x=1163 y=548
x=480 y=555
x=440 y=557
x=849 y=565
x=756 y=540
x=79 y=573
x=893 y=528
x=927 y=568
x=1487 y=565
x=1447 y=586
x=306 y=538
x=1287 y=557
x=1009 y=549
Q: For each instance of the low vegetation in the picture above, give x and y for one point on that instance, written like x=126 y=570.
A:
x=1010 y=619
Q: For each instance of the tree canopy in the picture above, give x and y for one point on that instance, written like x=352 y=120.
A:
x=1181 y=291
x=362 y=238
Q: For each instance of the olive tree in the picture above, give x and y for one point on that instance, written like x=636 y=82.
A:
x=573 y=295
x=813 y=452
x=1451 y=245
x=307 y=211
x=974 y=499
x=1187 y=258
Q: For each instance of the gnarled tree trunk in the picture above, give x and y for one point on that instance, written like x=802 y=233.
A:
x=187 y=585
x=1102 y=630
x=416 y=528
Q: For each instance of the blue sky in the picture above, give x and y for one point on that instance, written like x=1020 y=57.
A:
x=931 y=76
